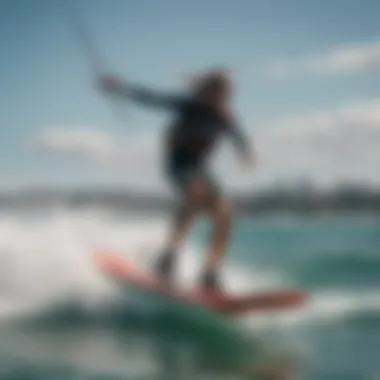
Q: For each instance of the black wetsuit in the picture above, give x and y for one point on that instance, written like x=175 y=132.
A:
x=192 y=135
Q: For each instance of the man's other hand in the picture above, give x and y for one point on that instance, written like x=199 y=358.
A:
x=111 y=84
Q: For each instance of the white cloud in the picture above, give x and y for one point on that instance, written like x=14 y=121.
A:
x=95 y=145
x=346 y=58
x=328 y=147
x=132 y=160
x=7 y=181
x=90 y=143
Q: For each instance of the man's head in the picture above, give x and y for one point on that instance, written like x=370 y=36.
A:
x=214 y=86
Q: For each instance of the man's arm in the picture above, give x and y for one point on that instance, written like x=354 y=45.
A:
x=141 y=94
x=241 y=142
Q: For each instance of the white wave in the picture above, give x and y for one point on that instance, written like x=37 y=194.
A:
x=322 y=307
x=47 y=257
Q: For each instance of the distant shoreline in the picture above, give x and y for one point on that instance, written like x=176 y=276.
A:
x=271 y=201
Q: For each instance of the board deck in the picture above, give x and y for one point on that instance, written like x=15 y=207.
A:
x=124 y=271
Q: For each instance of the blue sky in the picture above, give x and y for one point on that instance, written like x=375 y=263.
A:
x=47 y=84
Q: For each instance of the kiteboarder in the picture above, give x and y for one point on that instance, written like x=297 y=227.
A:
x=201 y=118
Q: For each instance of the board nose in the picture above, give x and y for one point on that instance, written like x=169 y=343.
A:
x=110 y=262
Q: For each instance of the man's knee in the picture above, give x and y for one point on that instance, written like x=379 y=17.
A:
x=185 y=212
x=197 y=193
x=222 y=211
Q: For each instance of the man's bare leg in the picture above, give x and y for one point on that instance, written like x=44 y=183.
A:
x=221 y=215
x=183 y=218
x=181 y=223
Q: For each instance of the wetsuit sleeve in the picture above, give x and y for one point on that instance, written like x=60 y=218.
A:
x=152 y=98
x=239 y=138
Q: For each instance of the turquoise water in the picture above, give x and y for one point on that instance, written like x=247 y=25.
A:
x=121 y=336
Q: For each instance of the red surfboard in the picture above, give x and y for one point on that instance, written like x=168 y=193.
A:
x=124 y=271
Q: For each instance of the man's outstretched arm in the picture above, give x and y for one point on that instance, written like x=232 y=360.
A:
x=139 y=94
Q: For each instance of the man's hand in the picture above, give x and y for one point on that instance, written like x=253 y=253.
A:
x=111 y=84
x=249 y=159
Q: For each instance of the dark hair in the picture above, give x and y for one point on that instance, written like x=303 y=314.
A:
x=218 y=80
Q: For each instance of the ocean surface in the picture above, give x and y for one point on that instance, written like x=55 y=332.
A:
x=60 y=318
